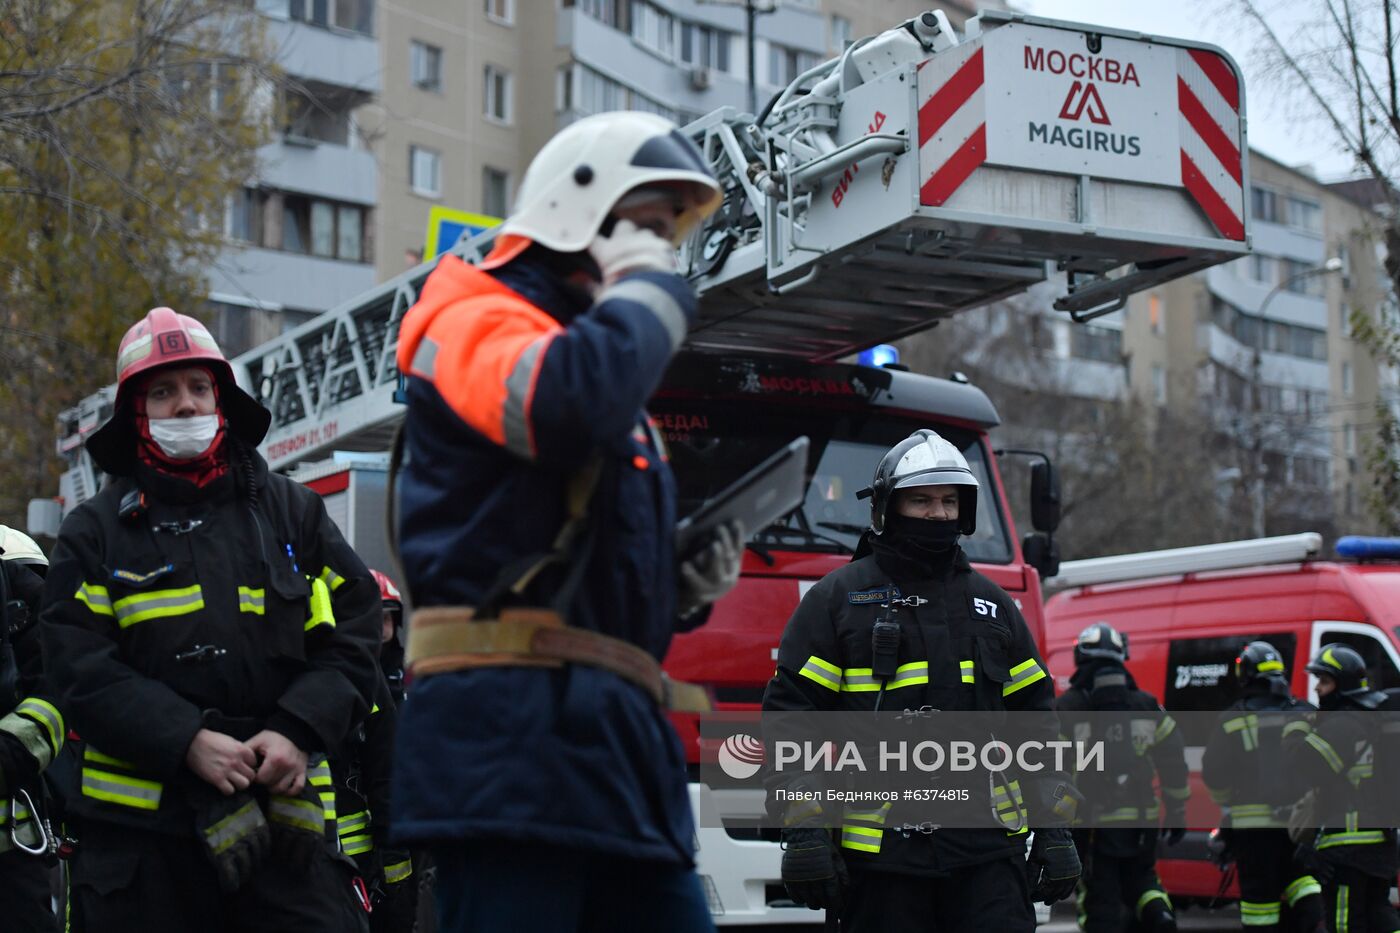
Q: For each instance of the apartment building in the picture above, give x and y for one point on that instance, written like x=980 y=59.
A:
x=301 y=235
x=471 y=91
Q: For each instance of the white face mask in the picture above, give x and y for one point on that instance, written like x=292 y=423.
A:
x=183 y=438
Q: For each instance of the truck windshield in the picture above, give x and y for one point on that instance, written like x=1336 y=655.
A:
x=713 y=445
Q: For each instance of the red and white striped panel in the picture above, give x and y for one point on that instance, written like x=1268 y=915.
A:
x=1212 y=167
x=952 y=122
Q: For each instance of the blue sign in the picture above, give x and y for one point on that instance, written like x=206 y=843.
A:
x=446 y=226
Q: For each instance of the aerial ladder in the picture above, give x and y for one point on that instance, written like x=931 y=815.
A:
x=919 y=174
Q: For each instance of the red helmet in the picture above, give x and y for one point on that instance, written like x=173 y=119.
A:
x=388 y=593
x=166 y=338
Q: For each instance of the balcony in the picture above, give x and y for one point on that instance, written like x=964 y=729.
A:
x=331 y=56
x=321 y=169
x=285 y=280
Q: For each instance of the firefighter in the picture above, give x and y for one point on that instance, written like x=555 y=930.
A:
x=214 y=637
x=361 y=773
x=32 y=732
x=1120 y=890
x=1243 y=768
x=1356 y=864
x=909 y=624
x=537 y=521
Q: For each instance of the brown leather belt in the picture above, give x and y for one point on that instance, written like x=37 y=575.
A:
x=447 y=638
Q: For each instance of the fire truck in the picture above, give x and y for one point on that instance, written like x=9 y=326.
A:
x=920 y=174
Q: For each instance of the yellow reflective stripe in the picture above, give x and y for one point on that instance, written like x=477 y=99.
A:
x=93 y=755
x=121 y=789
x=357 y=845
x=1023 y=675
x=96 y=598
x=399 y=871
x=909 y=675
x=330 y=578
x=1324 y=748
x=861 y=838
x=859 y=680
x=321 y=612
x=1343 y=918
x=1266 y=666
x=1363 y=838
x=1150 y=895
x=1259 y=913
x=822 y=672
x=353 y=822
x=1302 y=887
x=1165 y=728
x=294 y=811
x=233 y=827
x=1177 y=793
x=158 y=604
x=252 y=600
x=966 y=668
x=47 y=715
x=1298 y=725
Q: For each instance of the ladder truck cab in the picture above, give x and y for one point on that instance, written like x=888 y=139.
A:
x=919 y=174
x=1187 y=612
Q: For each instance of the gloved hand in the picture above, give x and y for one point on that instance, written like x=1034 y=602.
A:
x=298 y=827
x=1053 y=865
x=1313 y=862
x=1174 y=826
x=814 y=872
x=713 y=572
x=631 y=249
x=236 y=837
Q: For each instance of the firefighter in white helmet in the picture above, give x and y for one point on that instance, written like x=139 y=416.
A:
x=908 y=624
x=31 y=736
x=537 y=523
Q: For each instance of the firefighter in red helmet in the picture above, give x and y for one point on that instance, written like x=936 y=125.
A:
x=213 y=637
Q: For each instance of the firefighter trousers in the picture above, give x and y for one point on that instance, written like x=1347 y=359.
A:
x=517 y=887
x=1276 y=893
x=130 y=879
x=1355 y=902
x=1121 y=891
x=991 y=896
x=26 y=904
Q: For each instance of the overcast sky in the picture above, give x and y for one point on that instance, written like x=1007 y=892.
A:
x=1274 y=124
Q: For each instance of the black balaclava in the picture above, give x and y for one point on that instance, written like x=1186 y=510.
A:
x=914 y=548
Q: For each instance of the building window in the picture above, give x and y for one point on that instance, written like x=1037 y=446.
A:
x=1102 y=344
x=1304 y=214
x=703 y=47
x=653 y=28
x=501 y=11
x=1159 y=384
x=1349 y=440
x=425 y=63
x=349 y=238
x=425 y=171
x=244 y=216
x=1263 y=204
x=1263 y=269
x=1154 y=313
x=1299 y=284
x=784 y=64
x=1348 y=381
x=840 y=33
x=498 y=87
x=322 y=228
x=495 y=192
x=1267 y=334
x=583 y=91
x=610 y=12
x=321 y=119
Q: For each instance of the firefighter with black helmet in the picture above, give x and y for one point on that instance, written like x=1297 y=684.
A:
x=213 y=637
x=1244 y=769
x=1355 y=863
x=956 y=641
x=1120 y=889
x=32 y=733
x=537 y=519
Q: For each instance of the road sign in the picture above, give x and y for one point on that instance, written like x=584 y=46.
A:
x=446 y=226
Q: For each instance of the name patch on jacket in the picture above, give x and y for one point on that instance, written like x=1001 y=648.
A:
x=863 y=597
x=132 y=578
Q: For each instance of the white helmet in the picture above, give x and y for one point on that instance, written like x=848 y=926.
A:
x=923 y=459
x=589 y=165
x=20 y=548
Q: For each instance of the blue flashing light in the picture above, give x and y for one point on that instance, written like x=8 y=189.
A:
x=878 y=355
x=1359 y=547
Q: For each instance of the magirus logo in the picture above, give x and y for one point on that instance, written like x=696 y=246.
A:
x=740 y=756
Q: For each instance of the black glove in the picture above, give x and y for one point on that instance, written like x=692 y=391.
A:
x=1053 y=865
x=1314 y=862
x=813 y=871
x=236 y=837
x=17 y=767
x=298 y=827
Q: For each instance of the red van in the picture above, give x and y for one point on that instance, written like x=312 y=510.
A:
x=1188 y=611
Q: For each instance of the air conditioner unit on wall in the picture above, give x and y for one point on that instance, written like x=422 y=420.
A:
x=700 y=79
